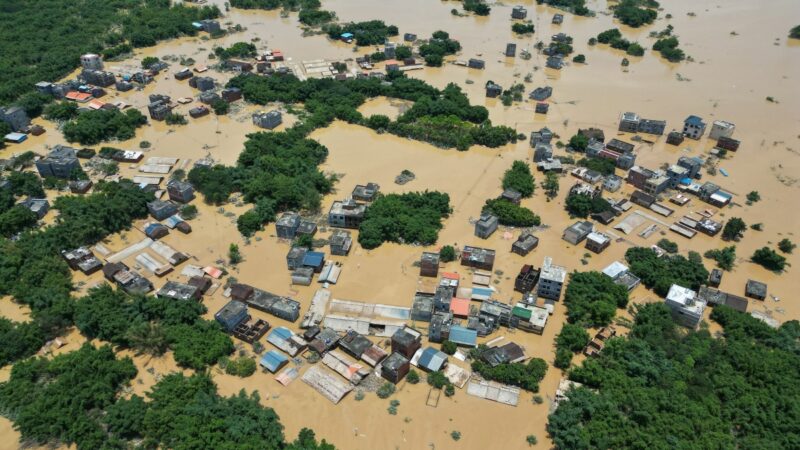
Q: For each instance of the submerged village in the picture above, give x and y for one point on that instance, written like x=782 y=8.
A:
x=423 y=224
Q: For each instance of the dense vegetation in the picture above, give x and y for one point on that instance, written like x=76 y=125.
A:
x=43 y=40
x=438 y=46
x=636 y=13
x=33 y=272
x=479 y=7
x=664 y=387
x=572 y=339
x=522 y=28
x=733 y=229
x=237 y=50
x=661 y=273
x=581 y=205
x=577 y=7
x=524 y=375
x=93 y=127
x=412 y=218
x=794 y=33
x=519 y=178
x=603 y=165
x=510 y=214
x=73 y=399
x=592 y=299
x=614 y=39
x=372 y=32
x=667 y=245
x=769 y=259
x=725 y=257
x=668 y=48
x=13 y=217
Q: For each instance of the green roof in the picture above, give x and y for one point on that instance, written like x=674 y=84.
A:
x=522 y=313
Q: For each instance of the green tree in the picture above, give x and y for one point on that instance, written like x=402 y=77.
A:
x=592 y=299
x=449 y=347
x=519 y=178
x=148 y=338
x=786 y=246
x=578 y=142
x=753 y=196
x=550 y=184
x=511 y=214
x=733 y=229
x=667 y=245
x=234 y=257
x=437 y=379
x=61 y=111
x=724 y=257
x=413 y=376
x=769 y=259
x=447 y=253
x=148 y=61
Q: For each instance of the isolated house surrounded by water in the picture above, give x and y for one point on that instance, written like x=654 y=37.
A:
x=694 y=127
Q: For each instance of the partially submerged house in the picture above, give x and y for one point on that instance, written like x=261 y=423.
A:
x=551 y=280
x=346 y=214
x=179 y=291
x=479 y=258
x=577 y=232
x=429 y=264
x=524 y=244
x=694 y=127
x=486 y=225
x=526 y=279
x=406 y=341
x=366 y=193
x=755 y=289
x=340 y=242
x=267 y=119
x=395 y=367
x=687 y=309
x=61 y=162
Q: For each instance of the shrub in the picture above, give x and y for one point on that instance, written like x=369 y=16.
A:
x=522 y=28
x=786 y=246
x=437 y=379
x=579 y=59
x=241 y=367
x=386 y=390
x=769 y=259
x=449 y=347
x=412 y=377
x=447 y=254
x=724 y=257
x=667 y=245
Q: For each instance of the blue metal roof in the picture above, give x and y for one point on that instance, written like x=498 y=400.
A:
x=313 y=259
x=463 y=336
x=686 y=181
x=432 y=359
x=347 y=35
x=694 y=121
x=281 y=332
x=273 y=360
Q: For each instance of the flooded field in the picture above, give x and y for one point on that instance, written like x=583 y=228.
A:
x=729 y=78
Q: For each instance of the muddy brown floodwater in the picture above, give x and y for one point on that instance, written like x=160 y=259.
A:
x=729 y=78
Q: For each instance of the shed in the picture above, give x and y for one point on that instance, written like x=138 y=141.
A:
x=432 y=360
x=273 y=361
x=463 y=336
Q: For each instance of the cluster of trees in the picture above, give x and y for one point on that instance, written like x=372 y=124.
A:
x=237 y=50
x=15 y=218
x=592 y=298
x=511 y=214
x=175 y=119
x=661 y=273
x=519 y=178
x=479 y=7
x=786 y=246
x=522 y=28
x=512 y=94
x=447 y=254
x=667 y=245
x=437 y=47
x=550 y=185
x=725 y=257
x=572 y=339
x=74 y=399
x=523 y=375
x=581 y=205
x=414 y=217
x=61 y=111
x=310 y=12
x=115 y=25
x=33 y=272
x=371 y=32
x=440 y=117
x=579 y=142
x=669 y=49
x=769 y=259
x=614 y=39
x=636 y=13
x=653 y=387
x=603 y=165
x=93 y=127
x=152 y=325
x=577 y=7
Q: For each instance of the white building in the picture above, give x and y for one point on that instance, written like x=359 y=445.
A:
x=91 y=61
x=720 y=128
x=551 y=280
x=686 y=308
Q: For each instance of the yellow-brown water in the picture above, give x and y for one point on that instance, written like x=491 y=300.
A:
x=729 y=79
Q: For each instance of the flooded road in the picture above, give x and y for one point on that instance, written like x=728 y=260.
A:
x=729 y=78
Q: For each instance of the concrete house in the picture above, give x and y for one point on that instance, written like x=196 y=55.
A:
x=524 y=244
x=210 y=26
x=511 y=50
x=340 y=242
x=406 y=341
x=558 y=19
x=180 y=191
x=208 y=97
x=612 y=183
x=429 y=264
x=519 y=12
x=692 y=164
x=268 y=120
x=694 y=127
x=98 y=77
x=179 y=291
x=551 y=280
x=486 y=225
x=493 y=90
x=480 y=258
x=512 y=196
x=15 y=117
x=526 y=279
x=721 y=129
x=555 y=62
x=597 y=242
x=295 y=257
x=687 y=309
x=366 y=193
x=160 y=209
x=395 y=367
x=541 y=93
x=231 y=315
x=92 y=61
x=542 y=152
x=475 y=63
x=629 y=122
x=650 y=126
x=286 y=226
x=346 y=214
x=675 y=138
x=755 y=289
x=577 y=232
x=202 y=83
x=61 y=162
x=541 y=108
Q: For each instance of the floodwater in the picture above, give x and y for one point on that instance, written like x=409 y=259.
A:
x=729 y=78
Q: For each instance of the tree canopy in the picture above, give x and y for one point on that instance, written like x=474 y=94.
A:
x=592 y=298
x=519 y=178
x=414 y=217
x=661 y=273
x=661 y=387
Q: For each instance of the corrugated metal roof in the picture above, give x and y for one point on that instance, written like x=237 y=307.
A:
x=463 y=336
x=432 y=359
x=273 y=360
x=282 y=332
